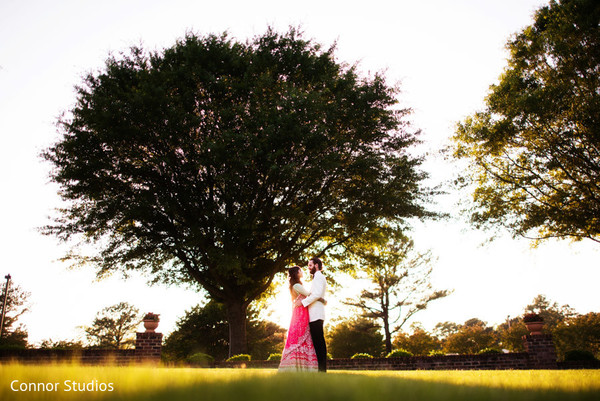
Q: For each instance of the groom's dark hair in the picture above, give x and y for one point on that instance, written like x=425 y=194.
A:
x=317 y=262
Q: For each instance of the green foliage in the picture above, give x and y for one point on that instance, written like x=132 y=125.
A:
x=436 y=352
x=200 y=359
x=274 y=357
x=581 y=332
x=355 y=336
x=579 y=355
x=399 y=353
x=444 y=329
x=218 y=163
x=204 y=329
x=511 y=338
x=487 y=351
x=418 y=343
x=114 y=326
x=471 y=338
x=534 y=152
x=361 y=355
x=400 y=279
x=240 y=358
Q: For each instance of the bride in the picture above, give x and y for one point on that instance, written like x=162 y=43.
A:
x=299 y=352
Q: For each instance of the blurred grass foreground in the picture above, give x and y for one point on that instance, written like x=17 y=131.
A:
x=65 y=382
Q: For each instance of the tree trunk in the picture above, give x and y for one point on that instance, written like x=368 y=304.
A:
x=236 y=317
x=388 y=335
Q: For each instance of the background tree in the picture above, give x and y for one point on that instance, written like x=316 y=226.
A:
x=551 y=312
x=472 y=337
x=420 y=342
x=581 y=332
x=61 y=344
x=510 y=334
x=443 y=330
x=218 y=163
x=534 y=152
x=17 y=304
x=401 y=284
x=114 y=326
x=356 y=335
x=204 y=329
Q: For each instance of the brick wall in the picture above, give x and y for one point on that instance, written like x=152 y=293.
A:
x=541 y=350
x=147 y=349
x=541 y=354
x=148 y=346
x=449 y=362
x=83 y=356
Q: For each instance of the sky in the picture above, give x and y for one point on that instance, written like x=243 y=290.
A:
x=444 y=54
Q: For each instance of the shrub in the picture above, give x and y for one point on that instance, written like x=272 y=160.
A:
x=274 y=357
x=399 y=353
x=489 y=351
x=579 y=355
x=361 y=355
x=240 y=357
x=200 y=359
x=329 y=357
x=436 y=352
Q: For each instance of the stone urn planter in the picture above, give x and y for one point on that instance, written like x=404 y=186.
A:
x=151 y=322
x=534 y=323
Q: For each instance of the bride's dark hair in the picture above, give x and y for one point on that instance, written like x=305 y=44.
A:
x=294 y=276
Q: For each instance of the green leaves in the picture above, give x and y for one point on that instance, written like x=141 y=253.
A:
x=220 y=162
x=535 y=150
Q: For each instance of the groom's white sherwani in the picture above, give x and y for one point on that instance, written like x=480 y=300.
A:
x=316 y=309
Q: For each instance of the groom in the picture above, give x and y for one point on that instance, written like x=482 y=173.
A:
x=316 y=311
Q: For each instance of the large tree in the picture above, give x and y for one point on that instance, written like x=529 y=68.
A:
x=400 y=279
x=534 y=151
x=219 y=163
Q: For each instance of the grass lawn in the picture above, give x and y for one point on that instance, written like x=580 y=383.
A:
x=64 y=382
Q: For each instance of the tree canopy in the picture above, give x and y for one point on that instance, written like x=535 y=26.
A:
x=400 y=283
x=218 y=163
x=534 y=151
x=114 y=326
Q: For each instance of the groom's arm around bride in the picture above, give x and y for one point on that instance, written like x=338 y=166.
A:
x=316 y=311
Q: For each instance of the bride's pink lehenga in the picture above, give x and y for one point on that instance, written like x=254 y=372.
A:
x=299 y=352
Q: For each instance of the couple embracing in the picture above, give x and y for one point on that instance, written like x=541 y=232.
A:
x=305 y=348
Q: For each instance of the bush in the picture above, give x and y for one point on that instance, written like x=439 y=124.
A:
x=274 y=357
x=361 y=355
x=240 y=358
x=200 y=359
x=489 y=351
x=579 y=355
x=399 y=353
x=436 y=352
x=12 y=347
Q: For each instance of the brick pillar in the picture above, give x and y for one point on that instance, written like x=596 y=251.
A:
x=148 y=346
x=541 y=350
